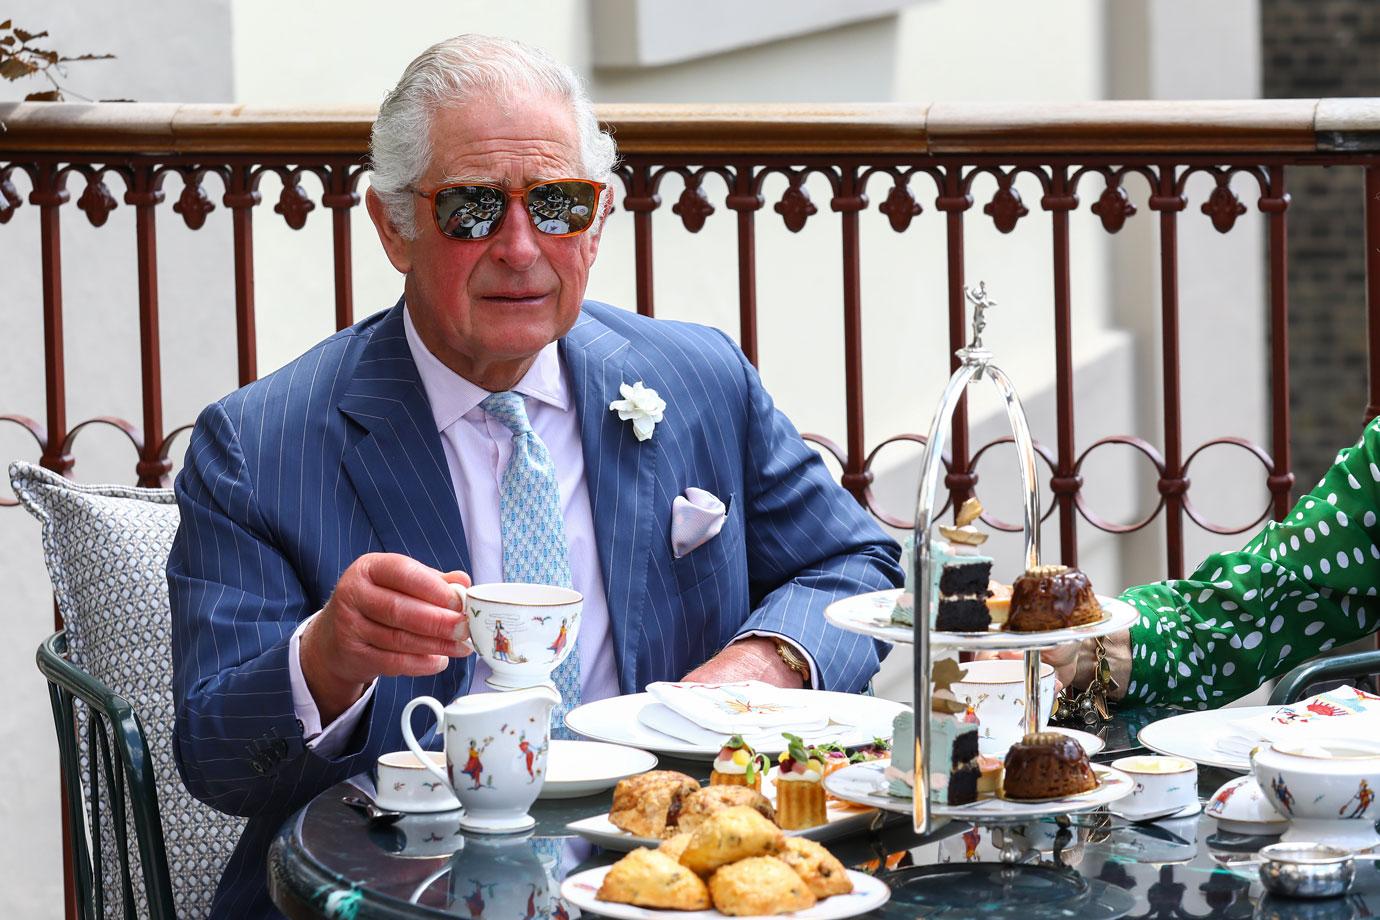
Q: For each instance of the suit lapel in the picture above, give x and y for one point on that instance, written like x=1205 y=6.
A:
x=620 y=472
x=398 y=467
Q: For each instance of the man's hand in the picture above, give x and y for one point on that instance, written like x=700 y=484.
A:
x=753 y=658
x=389 y=615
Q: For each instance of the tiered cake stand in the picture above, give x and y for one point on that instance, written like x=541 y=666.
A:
x=869 y=614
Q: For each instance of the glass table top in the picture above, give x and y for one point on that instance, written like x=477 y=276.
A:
x=330 y=861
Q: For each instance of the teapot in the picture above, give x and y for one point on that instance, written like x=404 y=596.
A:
x=496 y=746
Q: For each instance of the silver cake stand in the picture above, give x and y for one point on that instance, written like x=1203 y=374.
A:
x=976 y=364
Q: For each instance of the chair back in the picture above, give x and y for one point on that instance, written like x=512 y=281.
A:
x=106 y=550
x=113 y=757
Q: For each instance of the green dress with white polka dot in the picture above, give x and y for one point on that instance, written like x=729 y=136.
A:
x=1299 y=587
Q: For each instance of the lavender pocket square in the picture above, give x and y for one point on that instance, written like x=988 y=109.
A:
x=696 y=518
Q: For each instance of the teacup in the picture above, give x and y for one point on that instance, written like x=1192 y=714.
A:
x=403 y=784
x=496 y=745
x=996 y=691
x=522 y=631
x=1162 y=785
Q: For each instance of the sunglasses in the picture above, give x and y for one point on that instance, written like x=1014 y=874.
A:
x=475 y=210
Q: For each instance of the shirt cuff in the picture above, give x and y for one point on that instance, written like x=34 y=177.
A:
x=811 y=669
x=326 y=742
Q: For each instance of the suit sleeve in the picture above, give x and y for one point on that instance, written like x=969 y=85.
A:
x=1297 y=588
x=809 y=543
x=235 y=604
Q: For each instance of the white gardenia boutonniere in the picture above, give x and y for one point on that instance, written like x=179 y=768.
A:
x=641 y=405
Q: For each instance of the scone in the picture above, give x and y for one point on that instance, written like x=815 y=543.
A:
x=674 y=846
x=646 y=803
x=732 y=834
x=759 y=885
x=816 y=866
x=699 y=805
x=648 y=878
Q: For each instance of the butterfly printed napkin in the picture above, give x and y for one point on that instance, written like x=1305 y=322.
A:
x=748 y=707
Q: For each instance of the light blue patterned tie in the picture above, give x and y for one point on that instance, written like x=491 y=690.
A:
x=534 y=544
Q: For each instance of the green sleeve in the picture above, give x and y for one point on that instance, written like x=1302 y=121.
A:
x=1298 y=587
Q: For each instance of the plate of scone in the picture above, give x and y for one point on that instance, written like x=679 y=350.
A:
x=659 y=804
x=735 y=863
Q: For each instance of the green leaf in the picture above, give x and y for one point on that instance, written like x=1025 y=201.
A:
x=13 y=68
x=51 y=95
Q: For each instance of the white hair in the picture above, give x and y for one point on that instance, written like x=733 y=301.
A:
x=450 y=73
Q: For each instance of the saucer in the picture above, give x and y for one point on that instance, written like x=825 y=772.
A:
x=576 y=768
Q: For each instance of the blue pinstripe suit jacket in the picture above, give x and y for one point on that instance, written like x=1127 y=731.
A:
x=290 y=479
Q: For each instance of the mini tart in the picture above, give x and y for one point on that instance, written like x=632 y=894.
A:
x=800 y=799
x=738 y=765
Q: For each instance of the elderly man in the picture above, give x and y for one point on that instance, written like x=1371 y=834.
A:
x=329 y=509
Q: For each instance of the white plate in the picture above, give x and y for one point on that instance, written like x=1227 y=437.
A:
x=860 y=719
x=576 y=768
x=870 y=615
x=842 y=820
x=865 y=784
x=868 y=894
x=1195 y=735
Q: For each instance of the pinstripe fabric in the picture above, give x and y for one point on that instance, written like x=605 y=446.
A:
x=290 y=479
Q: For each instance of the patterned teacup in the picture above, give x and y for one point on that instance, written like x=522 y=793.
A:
x=403 y=784
x=522 y=631
x=496 y=746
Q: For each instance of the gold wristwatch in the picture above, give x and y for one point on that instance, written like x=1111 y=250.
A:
x=793 y=660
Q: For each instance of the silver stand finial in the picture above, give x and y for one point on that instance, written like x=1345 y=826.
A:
x=981 y=302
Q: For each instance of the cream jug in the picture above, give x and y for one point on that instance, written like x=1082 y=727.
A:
x=496 y=746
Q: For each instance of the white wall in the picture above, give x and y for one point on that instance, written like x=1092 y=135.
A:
x=256 y=51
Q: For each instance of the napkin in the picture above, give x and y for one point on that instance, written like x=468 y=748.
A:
x=1341 y=713
x=667 y=721
x=747 y=707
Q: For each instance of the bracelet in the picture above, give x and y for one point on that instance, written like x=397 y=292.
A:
x=1089 y=706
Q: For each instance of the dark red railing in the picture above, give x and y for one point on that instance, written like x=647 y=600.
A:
x=891 y=154
x=866 y=153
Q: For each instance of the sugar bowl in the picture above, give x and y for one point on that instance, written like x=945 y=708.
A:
x=1306 y=870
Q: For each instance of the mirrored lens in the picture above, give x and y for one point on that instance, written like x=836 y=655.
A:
x=566 y=206
x=469 y=212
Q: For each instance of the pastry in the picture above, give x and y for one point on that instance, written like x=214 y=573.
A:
x=953 y=765
x=1047 y=765
x=819 y=869
x=648 y=804
x=876 y=749
x=1052 y=597
x=675 y=846
x=959 y=574
x=696 y=807
x=989 y=780
x=800 y=787
x=758 y=886
x=738 y=765
x=732 y=834
x=650 y=878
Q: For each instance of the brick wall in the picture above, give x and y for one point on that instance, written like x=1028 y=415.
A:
x=1317 y=49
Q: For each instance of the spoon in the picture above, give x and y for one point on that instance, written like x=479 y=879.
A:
x=372 y=811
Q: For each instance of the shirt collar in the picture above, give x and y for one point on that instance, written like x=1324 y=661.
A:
x=452 y=396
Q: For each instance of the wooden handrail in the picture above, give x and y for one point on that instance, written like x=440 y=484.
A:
x=1281 y=126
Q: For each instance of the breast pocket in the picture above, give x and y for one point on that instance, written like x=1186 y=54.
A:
x=710 y=558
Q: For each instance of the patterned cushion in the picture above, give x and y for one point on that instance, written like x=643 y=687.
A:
x=106 y=547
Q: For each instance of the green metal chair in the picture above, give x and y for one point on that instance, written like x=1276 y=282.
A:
x=1294 y=686
x=120 y=777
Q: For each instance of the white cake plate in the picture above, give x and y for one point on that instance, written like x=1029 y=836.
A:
x=865 y=784
x=870 y=615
